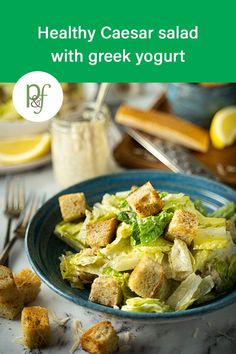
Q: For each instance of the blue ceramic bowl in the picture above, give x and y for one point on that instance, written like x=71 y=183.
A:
x=197 y=103
x=44 y=249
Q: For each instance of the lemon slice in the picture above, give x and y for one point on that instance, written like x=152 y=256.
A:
x=223 y=127
x=21 y=150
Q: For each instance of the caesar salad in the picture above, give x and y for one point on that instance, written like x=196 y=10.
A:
x=147 y=251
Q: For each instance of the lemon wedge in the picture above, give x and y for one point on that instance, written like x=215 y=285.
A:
x=223 y=127
x=24 y=149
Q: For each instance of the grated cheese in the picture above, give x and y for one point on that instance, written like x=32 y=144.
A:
x=60 y=322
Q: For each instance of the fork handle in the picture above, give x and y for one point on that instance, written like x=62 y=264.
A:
x=5 y=253
x=8 y=232
x=7 y=238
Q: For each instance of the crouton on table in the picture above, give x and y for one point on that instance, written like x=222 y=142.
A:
x=183 y=226
x=35 y=327
x=147 y=278
x=10 y=309
x=28 y=285
x=8 y=289
x=106 y=290
x=100 y=339
x=101 y=233
x=72 y=206
x=145 y=201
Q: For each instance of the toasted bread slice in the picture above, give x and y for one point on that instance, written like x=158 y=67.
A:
x=107 y=291
x=100 y=339
x=145 y=201
x=72 y=206
x=8 y=289
x=35 y=327
x=10 y=309
x=28 y=285
x=147 y=278
x=183 y=226
x=101 y=233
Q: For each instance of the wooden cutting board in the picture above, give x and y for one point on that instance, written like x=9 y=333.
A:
x=221 y=162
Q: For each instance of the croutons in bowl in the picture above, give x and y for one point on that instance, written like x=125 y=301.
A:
x=141 y=245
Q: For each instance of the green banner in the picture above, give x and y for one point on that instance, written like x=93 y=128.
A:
x=119 y=41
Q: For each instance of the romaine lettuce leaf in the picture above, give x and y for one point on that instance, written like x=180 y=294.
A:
x=223 y=273
x=205 y=222
x=83 y=232
x=70 y=233
x=211 y=238
x=147 y=230
x=183 y=296
x=138 y=304
x=152 y=227
x=127 y=216
x=181 y=260
x=112 y=204
x=228 y=211
x=120 y=253
x=191 y=289
x=158 y=245
x=123 y=256
x=201 y=257
x=199 y=206
x=70 y=272
x=232 y=270
x=162 y=194
x=84 y=262
x=205 y=287
x=120 y=244
x=125 y=260
x=178 y=201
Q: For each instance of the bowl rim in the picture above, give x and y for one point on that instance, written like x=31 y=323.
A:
x=214 y=305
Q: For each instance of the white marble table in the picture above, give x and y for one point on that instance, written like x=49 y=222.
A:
x=212 y=334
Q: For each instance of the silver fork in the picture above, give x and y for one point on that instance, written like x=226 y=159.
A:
x=33 y=205
x=15 y=202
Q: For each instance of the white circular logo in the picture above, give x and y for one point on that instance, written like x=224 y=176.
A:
x=37 y=96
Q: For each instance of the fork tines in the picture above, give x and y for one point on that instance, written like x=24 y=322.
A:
x=33 y=204
x=15 y=195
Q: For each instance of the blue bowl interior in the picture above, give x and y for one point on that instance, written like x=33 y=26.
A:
x=44 y=248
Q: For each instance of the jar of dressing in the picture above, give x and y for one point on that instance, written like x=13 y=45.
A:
x=80 y=148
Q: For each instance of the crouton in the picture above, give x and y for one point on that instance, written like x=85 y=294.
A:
x=106 y=290
x=35 y=327
x=72 y=206
x=147 y=278
x=28 y=285
x=183 y=226
x=8 y=289
x=100 y=339
x=101 y=233
x=145 y=201
x=10 y=309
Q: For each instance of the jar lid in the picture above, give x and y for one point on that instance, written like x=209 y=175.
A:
x=85 y=113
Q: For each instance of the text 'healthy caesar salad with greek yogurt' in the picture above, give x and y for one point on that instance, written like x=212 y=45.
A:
x=148 y=251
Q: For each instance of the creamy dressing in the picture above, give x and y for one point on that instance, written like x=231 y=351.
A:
x=80 y=150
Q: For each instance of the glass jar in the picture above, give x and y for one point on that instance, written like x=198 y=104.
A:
x=80 y=148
